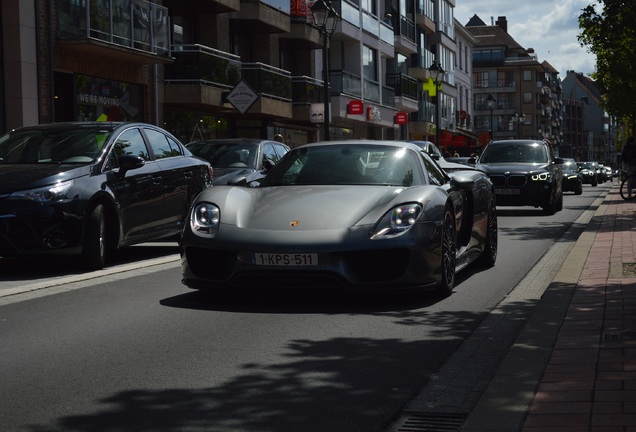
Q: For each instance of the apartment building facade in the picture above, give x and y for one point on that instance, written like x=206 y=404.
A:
x=515 y=96
x=179 y=64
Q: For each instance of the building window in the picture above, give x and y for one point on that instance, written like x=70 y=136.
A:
x=481 y=79
x=505 y=79
x=370 y=63
x=527 y=97
x=527 y=75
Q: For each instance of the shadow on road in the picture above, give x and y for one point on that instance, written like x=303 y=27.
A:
x=42 y=267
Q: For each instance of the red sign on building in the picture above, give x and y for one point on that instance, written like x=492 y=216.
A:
x=355 y=107
x=401 y=118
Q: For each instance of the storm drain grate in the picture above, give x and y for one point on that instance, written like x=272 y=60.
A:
x=432 y=423
x=629 y=269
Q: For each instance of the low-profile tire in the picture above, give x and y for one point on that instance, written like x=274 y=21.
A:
x=448 y=255
x=559 y=205
x=489 y=254
x=94 y=249
x=579 y=190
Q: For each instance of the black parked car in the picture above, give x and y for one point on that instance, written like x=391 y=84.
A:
x=588 y=172
x=572 y=179
x=238 y=161
x=525 y=173
x=90 y=188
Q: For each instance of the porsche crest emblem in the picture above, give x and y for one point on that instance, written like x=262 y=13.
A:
x=294 y=223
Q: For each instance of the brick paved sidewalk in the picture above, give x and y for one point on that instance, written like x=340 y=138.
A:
x=590 y=382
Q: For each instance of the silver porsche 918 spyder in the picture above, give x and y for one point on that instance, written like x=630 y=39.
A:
x=362 y=215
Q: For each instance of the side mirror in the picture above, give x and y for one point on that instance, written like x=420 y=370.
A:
x=130 y=162
x=267 y=165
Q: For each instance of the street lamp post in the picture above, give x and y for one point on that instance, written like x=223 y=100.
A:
x=437 y=72
x=490 y=103
x=325 y=19
x=519 y=119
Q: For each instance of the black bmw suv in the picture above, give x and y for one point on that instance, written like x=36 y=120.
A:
x=525 y=173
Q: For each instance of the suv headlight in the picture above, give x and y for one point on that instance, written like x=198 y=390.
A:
x=544 y=176
x=45 y=195
x=397 y=221
x=205 y=219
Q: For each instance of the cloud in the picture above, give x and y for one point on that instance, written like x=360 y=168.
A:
x=548 y=27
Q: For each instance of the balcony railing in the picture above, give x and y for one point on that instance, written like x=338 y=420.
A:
x=345 y=82
x=203 y=65
x=348 y=11
x=388 y=96
x=426 y=112
x=268 y=81
x=403 y=84
x=136 y=24
x=407 y=29
x=426 y=7
x=307 y=90
x=371 y=91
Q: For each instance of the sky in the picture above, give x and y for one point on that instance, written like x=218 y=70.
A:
x=550 y=27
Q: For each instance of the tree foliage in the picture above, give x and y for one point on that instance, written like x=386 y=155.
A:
x=609 y=32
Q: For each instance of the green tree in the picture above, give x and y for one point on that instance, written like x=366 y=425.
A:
x=608 y=30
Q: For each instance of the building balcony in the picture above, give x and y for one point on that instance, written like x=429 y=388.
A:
x=305 y=92
x=268 y=16
x=302 y=35
x=199 y=76
x=406 y=91
x=343 y=82
x=273 y=85
x=405 y=37
x=139 y=34
x=425 y=16
x=205 y=6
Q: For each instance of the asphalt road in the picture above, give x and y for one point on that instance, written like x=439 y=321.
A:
x=131 y=349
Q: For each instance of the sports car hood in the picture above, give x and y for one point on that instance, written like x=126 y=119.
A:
x=305 y=207
x=22 y=177
x=518 y=168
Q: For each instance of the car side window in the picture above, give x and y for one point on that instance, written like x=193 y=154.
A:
x=161 y=145
x=280 y=150
x=434 y=173
x=129 y=142
x=270 y=154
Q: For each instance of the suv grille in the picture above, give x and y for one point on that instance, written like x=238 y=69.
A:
x=513 y=180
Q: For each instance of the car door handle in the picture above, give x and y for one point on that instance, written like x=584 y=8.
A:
x=188 y=175
x=157 y=180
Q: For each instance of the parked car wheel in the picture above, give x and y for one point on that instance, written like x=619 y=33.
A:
x=94 y=251
x=489 y=255
x=449 y=252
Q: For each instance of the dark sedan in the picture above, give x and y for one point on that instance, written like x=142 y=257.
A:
x=525 y=173
x=89 y=188
x=572 y=178
x=588 y=172
x=238 y=161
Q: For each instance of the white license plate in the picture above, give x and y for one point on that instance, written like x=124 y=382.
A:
x=286 y=259
x=507 y=191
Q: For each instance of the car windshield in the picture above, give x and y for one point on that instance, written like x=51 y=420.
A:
x=570 y=166
x=514 y=152
x=226 y=155
x=586 y=165
x=55 y=145
x=347 y=164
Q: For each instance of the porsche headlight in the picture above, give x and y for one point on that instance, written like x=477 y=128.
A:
x=397 y=221
x=544 y=176
x=205 y=219
x=49 y=194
